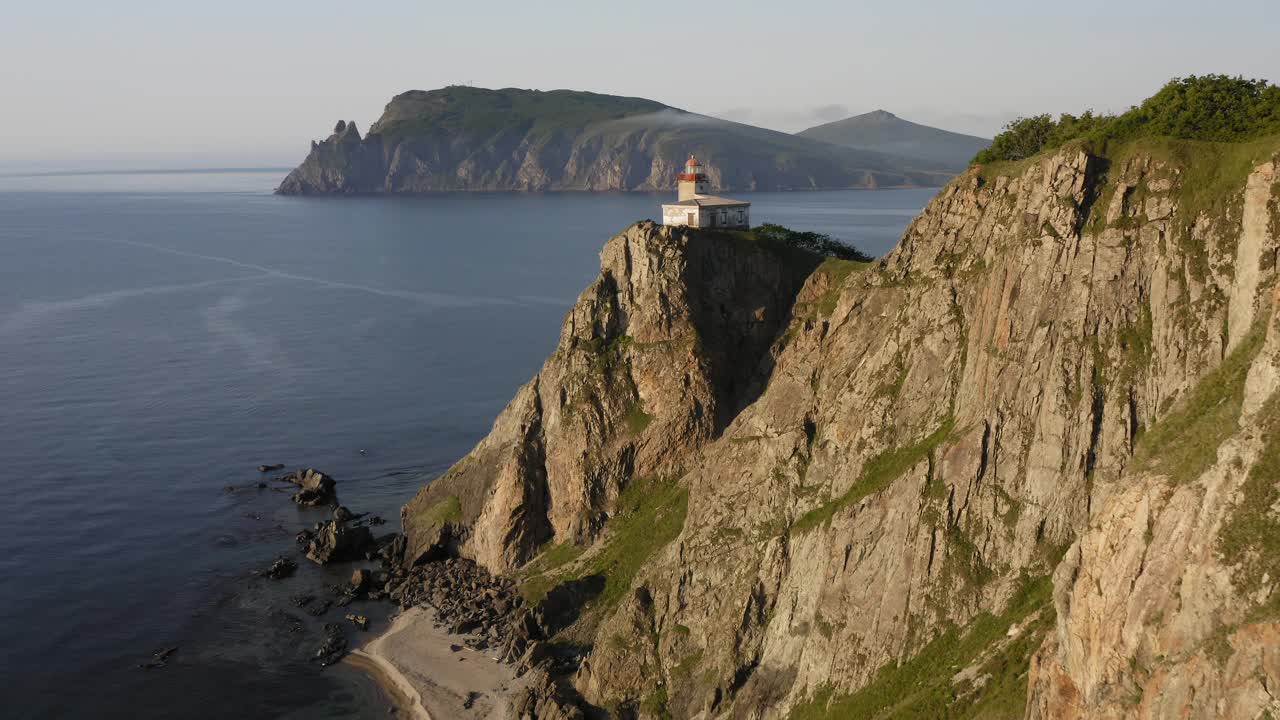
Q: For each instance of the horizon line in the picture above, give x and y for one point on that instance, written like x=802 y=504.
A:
x=148 y=171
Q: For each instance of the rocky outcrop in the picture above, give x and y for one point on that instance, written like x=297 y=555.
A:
x=655 y=359
x=343 y=163
x=461 y=138
x=750 y=482
x=337 y=541
x=314 y=487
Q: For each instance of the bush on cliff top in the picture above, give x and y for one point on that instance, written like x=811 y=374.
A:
x=817 y=243
x=1216 y=108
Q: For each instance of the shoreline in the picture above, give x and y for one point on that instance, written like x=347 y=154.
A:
x=387 y=677
x=430 y=675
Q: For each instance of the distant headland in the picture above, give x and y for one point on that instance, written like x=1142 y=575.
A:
x=467 y=138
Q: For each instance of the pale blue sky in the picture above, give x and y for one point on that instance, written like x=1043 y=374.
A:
x=165 y=84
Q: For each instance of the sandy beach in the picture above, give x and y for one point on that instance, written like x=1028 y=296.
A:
x=413 y=661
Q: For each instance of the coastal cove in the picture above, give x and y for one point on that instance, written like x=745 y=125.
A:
x=161 y=335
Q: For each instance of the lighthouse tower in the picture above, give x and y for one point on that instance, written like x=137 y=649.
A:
x=693 y=181
x=696 y=207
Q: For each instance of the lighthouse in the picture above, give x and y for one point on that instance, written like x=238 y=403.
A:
x=695 y=206
x=693 y=181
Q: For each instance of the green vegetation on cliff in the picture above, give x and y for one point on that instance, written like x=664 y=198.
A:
x=1185 y=442
x=1212 y=108
x=814 y=242
x=650 y=514
x=445 y=511
x=979 y=671
x=1250 y=538
x=878 y=473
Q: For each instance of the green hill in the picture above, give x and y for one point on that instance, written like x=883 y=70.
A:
x=885 y=132
x=465 y=138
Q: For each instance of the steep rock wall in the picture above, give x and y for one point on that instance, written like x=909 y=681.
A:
x=922 y=439
x=654 y=360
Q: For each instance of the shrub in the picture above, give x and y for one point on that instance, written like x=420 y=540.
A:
x=817 y=243
x=1215 y=108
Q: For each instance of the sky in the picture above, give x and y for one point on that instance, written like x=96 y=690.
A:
x=232 y=83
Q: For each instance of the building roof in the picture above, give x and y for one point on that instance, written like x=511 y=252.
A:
x=710 y=201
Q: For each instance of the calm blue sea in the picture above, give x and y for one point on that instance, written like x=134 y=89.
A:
x=163 y=334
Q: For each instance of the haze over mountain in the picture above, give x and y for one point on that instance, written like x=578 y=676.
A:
x=467 y=138
x=882 y=131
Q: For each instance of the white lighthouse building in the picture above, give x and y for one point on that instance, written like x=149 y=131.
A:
x=695 y=206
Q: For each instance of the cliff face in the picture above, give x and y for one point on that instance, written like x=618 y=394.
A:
x=750 y=484
x=476 y=139
x=1167 y=604
x=653 y=361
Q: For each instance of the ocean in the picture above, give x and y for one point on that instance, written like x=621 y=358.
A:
x=163 y=334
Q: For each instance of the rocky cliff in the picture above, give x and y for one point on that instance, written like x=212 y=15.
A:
x=464 y=138
x=1024 y=465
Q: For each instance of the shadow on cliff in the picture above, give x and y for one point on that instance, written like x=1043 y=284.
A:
x=741 y=313
x=565 y=602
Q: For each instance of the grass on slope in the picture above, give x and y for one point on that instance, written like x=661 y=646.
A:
x=924 y=686
x=650 y=514
x=1250 y=538
x=446 y=510
x=1185 y=442
x=837 y=271
x=879 y=472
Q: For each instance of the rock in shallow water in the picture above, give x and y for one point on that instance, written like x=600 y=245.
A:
x=334 y=646
x=315 y=488
x=159 y=658
x=336 y=541
x=282 y=568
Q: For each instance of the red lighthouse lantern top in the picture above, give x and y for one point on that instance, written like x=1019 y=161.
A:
x=692 y=169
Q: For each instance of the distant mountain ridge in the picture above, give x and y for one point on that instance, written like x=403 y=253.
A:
x=883 y=131
x=466 y=138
